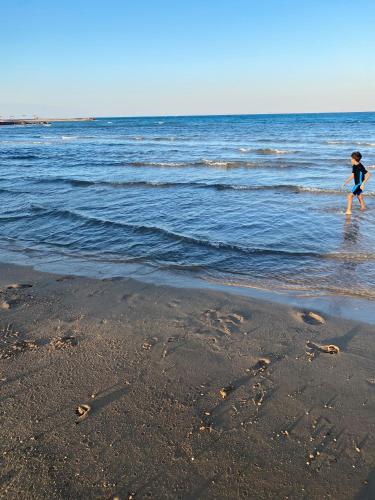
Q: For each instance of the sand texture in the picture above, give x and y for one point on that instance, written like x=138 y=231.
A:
x=118 y=389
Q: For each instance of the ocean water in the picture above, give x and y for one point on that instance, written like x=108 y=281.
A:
x=253 y=201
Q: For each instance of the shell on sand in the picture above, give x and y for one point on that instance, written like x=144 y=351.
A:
x=82 y=412
x=327 y=348
x=224 y=391
x=316 y=317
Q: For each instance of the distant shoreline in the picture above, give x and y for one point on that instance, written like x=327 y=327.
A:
x=27 y=121
x=41 y=121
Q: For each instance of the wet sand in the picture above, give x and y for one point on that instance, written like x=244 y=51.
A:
x=119 y=389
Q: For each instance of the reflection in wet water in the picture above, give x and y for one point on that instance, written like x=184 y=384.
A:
x=351 y=233
x=350 y=245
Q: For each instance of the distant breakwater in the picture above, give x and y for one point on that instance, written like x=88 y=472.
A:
x=41 y=121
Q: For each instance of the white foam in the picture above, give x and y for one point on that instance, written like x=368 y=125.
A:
x=268 y=151
x=216 y=163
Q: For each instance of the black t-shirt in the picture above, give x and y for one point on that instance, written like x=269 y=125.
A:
x=359 y=172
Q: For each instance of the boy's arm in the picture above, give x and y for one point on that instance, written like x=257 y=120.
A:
x=348 y=180
x=367 y=176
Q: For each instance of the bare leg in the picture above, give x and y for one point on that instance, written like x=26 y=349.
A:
x=350 y=203
x=362 y=203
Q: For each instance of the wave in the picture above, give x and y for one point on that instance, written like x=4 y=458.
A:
x=269 y=151
x=315 y=190
x=226 y=163
x=348 y=256
x=274 y=163
x=13 y=191
x=219 y=163
x=155 y=164
x=11 y=218
x=348 y=143
x=174 y=236
x=317 y=290
x=143 y=229
x=223 y=163
x=21 y=157
x=338 y=142
x=114 y=184
x=289 y=188
x=157 y=138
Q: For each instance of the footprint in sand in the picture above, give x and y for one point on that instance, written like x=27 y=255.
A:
x=8 y=304
x=13 y=302
x=262 y=364
x=149 y=343
x=225 y=323
x=64 y=342
x=130 y=298
x=311 y=318
x=174 y=303
x=11 y=344
x=17 y=286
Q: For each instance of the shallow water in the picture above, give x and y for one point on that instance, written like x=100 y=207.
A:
x=244 y=200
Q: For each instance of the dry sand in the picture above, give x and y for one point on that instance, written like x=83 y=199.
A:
x=191 y=394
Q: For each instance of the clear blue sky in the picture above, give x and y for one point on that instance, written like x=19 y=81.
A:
x=155 y=57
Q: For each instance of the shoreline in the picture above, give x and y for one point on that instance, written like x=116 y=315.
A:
x=340 y=306
x=192 y=393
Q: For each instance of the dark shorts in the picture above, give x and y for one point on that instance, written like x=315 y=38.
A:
x=357 y=191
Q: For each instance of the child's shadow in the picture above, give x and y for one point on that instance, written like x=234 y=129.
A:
x=343 y=341
x=101 y=402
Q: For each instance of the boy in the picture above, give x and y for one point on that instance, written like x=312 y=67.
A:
x=360 y=176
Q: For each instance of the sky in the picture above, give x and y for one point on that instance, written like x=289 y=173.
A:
x=185 y=57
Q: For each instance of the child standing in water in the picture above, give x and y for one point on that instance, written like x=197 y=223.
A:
x=360 y=176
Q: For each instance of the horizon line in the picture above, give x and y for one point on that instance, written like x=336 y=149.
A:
x=35 y=116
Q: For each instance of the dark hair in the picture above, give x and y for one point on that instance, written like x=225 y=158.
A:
x=356 y=156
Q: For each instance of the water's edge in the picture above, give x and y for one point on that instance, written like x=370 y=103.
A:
x=362 y=310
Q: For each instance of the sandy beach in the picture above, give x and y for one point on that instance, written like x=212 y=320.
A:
x=118 y=389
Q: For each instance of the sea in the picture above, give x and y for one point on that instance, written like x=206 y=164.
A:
x=248 y=201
